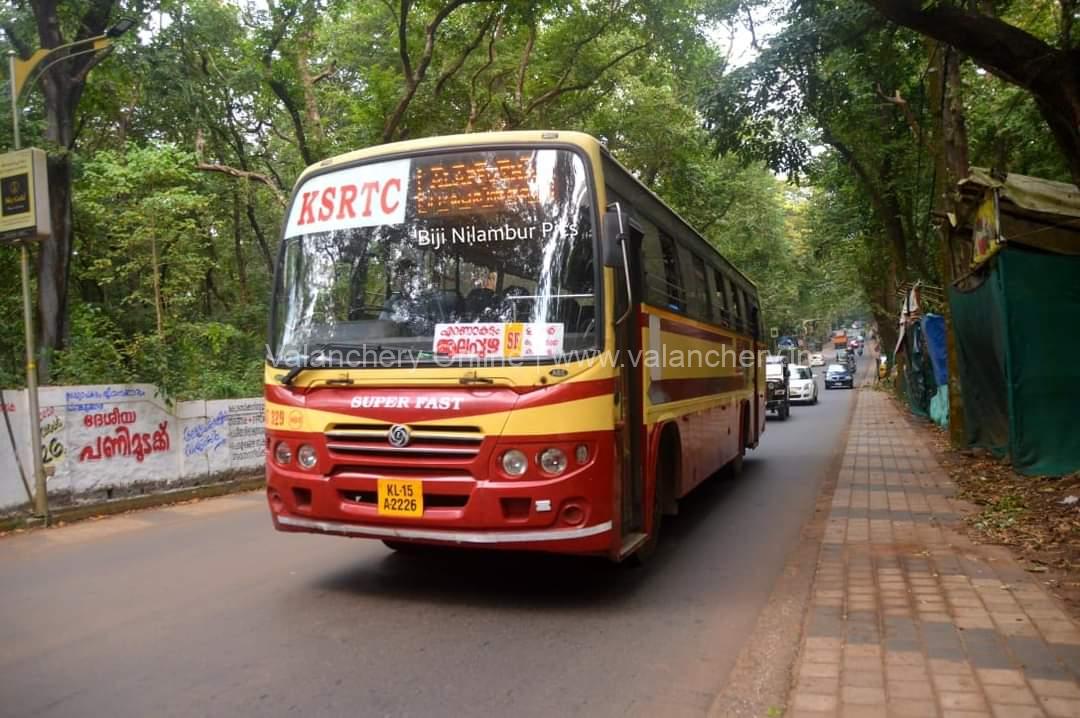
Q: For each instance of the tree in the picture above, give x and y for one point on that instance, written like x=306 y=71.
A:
x=63 y=87
x=1050 y=72
x=838 y=76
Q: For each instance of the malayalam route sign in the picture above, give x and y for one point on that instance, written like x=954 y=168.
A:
x=24 y=196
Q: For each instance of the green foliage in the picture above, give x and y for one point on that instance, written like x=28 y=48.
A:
x=94 y=353
x=194 y=131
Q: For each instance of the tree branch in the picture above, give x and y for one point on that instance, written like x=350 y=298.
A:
x=403 y=40
x=254 y=177
x=459 y=62
x=557 y=91
x=413 y=77
x=1003 y=49
x=905 y=109
x=325 y=74
x=282 y=93
x=1016 y=56
x=750 y=25
x=519 y=93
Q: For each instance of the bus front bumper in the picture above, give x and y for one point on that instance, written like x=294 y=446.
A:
x=465 y=504
x=483 y=538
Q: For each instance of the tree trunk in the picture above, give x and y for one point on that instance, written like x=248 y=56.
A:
x=54 y=267
x=951 y=154
x=63 y=87
x=238 y=247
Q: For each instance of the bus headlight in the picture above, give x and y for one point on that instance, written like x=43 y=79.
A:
x=514 y=462
x=306 y=456
x=553 y=461
x=282 y=453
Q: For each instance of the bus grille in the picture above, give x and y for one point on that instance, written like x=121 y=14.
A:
x=369 y=443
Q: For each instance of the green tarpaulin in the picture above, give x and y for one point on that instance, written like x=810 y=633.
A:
x=1018 y=341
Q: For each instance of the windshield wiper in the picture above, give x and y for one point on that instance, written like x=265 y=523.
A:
x=307 y=363
x=475 y=378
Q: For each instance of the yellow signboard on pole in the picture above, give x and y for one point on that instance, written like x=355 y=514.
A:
x=986 y=229
x=24 y=196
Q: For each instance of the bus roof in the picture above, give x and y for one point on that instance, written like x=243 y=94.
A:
x=590 y=144
x=641 y=186
x=534 y=137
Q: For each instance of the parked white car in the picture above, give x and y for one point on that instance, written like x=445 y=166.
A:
x=802 y=387
x=817 y=359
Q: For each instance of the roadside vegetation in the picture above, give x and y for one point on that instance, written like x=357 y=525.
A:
x=808 y=141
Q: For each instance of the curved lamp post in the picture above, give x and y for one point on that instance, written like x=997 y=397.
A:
x=19 y=73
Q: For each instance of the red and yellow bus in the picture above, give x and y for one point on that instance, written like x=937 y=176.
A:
x=500 y=340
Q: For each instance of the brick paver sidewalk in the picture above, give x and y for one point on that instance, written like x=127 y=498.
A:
x=909 y=617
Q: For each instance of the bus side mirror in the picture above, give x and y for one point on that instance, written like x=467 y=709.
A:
x=615 y=233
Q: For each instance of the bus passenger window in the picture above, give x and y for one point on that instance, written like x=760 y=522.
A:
x=698 y=291
x=733 y=304
x=744 y=319
x=676 y=300
x=719 y=303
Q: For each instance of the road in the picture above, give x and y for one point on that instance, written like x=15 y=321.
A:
x=202 y=609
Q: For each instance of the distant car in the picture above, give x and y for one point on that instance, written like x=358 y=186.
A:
x=839 y=375
x=817 y=359
x=786 y=343
x=801 y=385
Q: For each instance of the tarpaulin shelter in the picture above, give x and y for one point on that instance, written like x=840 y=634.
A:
x=1016 y=318
x=921 y=357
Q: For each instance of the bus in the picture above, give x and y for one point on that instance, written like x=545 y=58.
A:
x=500 y=340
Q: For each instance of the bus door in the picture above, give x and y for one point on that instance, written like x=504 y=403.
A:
x=630 y=430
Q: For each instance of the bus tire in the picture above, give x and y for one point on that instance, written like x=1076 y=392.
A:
x=735 y=466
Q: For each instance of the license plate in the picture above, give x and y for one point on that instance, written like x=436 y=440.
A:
x=401 y=497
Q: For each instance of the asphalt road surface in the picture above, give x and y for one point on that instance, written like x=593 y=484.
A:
x=203 y=609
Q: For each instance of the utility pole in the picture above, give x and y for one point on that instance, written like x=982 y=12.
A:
x=41 y=500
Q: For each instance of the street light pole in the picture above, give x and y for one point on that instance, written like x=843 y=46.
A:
x=41 y=498
x=18 y=74
x=14 y=99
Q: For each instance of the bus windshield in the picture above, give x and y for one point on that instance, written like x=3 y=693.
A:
x=471 y=254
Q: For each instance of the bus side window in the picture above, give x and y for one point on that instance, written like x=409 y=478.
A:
x=721 y=314
x=653 y=268
x=697 y=290
x=744 y=318
x=676 y=299
x=733 y=303
x=755 y=318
